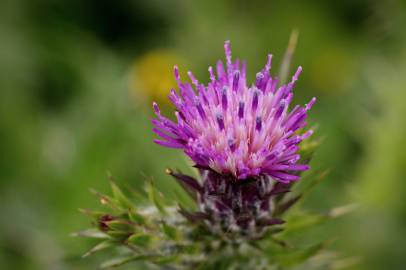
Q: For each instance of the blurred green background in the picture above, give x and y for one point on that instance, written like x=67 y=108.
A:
x=77 y=79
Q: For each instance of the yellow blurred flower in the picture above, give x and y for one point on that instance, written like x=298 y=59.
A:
x=152 y=75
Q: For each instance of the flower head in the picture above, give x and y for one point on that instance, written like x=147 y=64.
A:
x=235 y=129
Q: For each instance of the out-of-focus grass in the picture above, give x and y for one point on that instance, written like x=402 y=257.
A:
x=67 y=114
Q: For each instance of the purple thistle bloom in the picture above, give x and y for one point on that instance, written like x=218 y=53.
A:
x=234 y=129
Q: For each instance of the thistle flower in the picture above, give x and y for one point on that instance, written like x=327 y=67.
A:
x=235 y=129
x=245 y=142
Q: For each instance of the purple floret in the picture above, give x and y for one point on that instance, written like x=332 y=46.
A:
x=235 y=129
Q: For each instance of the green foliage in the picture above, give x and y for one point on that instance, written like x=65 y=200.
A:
x=169 y=237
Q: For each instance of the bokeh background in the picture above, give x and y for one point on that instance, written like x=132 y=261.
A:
x=77 y=79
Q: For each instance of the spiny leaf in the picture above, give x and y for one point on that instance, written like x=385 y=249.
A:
x=271 y=221
x=312 y=180
x=194 y=217
x=285 y=206
x=155 y=197
x=308 y=178
x=136 y=217
x=140 y=239
x=295 y=257
x=94 y=214
x=105 y=200
x=279 y=188
x=116 y=262
x=91 y=233
x=120 y=225
x=280 y=242
x=189 y=184
x=122 y=200
x=166 y=260
x=183 y=198
x=98 y=247
x=301 y=222
x=169 y=231
x=272 y=231
x=342 y=210
x=139 y=195
x=118 y=235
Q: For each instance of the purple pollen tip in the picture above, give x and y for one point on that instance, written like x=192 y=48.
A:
x=231 y=144
x=200 y=109
x=260 y=76
x=258 y=125
x=176 y=72
x=220 y=121
x=224 y=98
x=280 y=109
x=255 y=101
x=236 y=80
x=241 y=110
x=156 y=108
